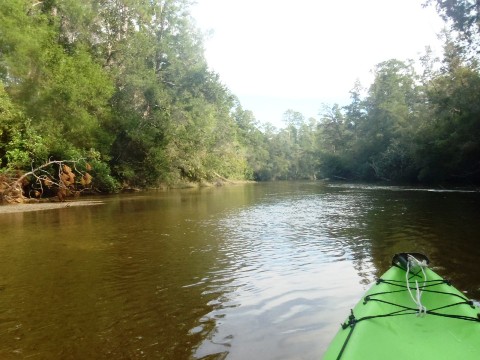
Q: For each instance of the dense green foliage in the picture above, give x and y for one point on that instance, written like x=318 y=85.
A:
x=124 y=85
x=408 y=127
x=418 y=122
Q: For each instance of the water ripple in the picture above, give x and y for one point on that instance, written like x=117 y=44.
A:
x=284 y=260
x=262 y=271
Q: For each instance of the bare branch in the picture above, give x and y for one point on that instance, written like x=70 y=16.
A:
x=63 y=182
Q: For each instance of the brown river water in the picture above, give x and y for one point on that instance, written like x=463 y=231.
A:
x=255 y=271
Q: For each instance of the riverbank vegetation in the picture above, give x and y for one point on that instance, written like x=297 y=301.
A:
x=123 y=88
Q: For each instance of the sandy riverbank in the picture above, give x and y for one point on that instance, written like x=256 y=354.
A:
x=39 y=206
x=15 y=208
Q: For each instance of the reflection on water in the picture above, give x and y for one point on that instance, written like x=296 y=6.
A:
x=254 y=271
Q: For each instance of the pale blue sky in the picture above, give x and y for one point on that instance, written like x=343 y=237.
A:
x=281 y=54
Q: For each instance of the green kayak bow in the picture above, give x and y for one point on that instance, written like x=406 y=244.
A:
x=410 y=313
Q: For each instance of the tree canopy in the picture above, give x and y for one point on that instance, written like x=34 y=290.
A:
x=124 y=83
x=124 y=86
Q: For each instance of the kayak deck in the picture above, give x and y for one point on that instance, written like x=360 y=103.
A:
x=386 y=323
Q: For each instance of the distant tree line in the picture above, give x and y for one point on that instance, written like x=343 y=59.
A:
x=122 y=88
x=410 y=127
x=418 y=122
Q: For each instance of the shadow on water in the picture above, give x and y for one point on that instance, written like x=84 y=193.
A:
x=442 y=224
x=111 y=281
x=253 y=271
